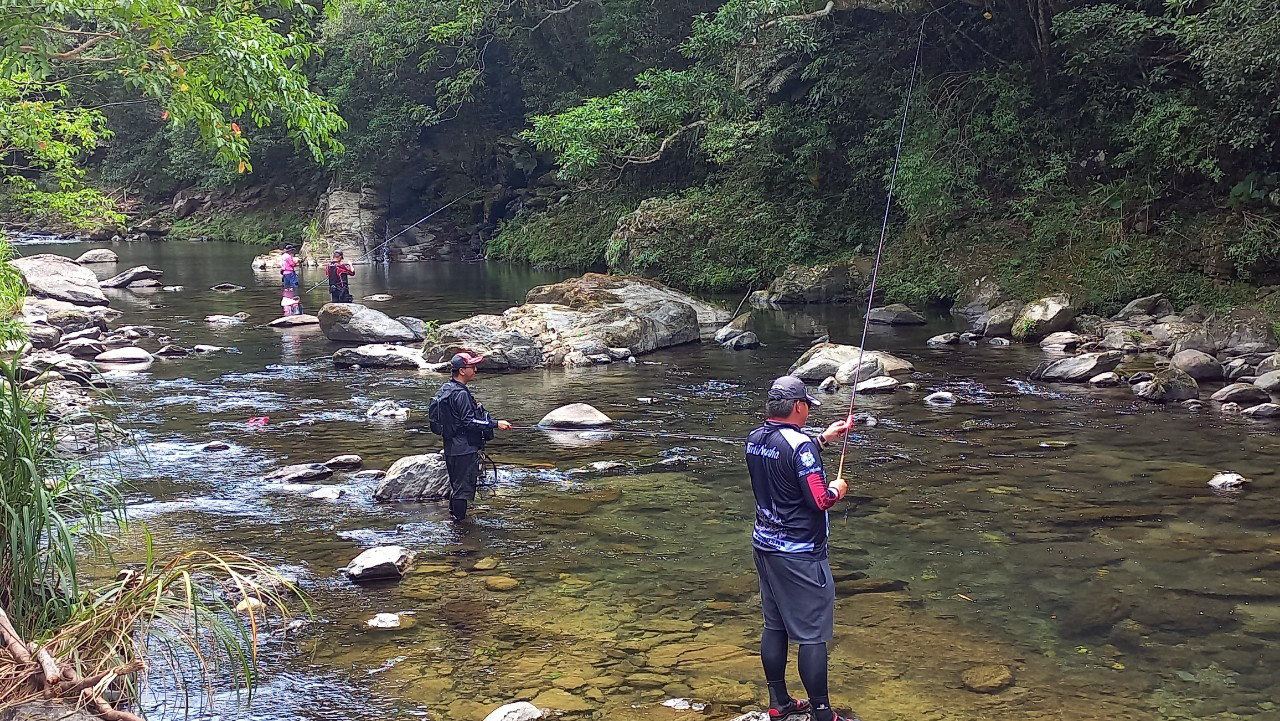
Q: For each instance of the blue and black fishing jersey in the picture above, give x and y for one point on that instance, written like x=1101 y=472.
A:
x=791 y=491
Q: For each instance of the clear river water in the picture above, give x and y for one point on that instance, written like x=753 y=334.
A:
x=1065 y=532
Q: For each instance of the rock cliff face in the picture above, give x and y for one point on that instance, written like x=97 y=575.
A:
x=349 y=221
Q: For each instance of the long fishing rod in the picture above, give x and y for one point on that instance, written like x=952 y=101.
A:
x=884 y=231
x=424 y=219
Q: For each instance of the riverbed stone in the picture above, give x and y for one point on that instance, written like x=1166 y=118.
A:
x=299 y=473
x=348 y=462
x=227 y=287
x=733 y=328
x=129 y=355
x=293 y=321
x=852 y=371
x=360 y=324
x=388 y=409
x=575 y=415
x=1148 y=305
x=1269 y=382
x=883 y=384
x=999 y=320
x=43 y=336
x=987 y=678
x=1079 y=368
x=86 y=348
x=500 y=583
x=1044 y=316
x=826 y=359
x=381 y=355
x=519 y=711
x=46 y=711
x=1245 y=394
x=895 y=314
x=944 y=339
x=557 y=699
x=743 y=341
x=1197 y=364
x=1106 y=380
x=221 y=319
x=1263 y=410
x=130 y=276
x=1268 y=364
x=98 y=255
x=379 y=563
x=415 y=478
x=977 y=299
x=1063 y=339
x=1167 y=386
x=837 y=282
x=59 y=278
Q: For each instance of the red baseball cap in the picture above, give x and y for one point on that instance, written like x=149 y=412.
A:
x=462 y=360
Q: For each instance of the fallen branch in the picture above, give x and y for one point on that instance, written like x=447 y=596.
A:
x=666 y=143
x=52 y=674
x=12 y=641
x=103 y=710
x=89 y=683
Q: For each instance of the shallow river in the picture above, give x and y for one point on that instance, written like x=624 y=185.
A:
x=1102 y=569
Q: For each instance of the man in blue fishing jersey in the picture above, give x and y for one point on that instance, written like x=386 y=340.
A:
x=789 y=544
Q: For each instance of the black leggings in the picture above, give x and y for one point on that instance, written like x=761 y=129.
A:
x=812 y=662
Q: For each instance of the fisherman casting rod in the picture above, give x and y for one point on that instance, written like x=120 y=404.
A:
x=884 y=230
x=424 y=219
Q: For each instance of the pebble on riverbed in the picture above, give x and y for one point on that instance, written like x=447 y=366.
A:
x=987 y=678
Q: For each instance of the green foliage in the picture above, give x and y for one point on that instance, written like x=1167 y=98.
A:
x=13 y=293
x=211 y=66
x=569 y=235
x=259 y=226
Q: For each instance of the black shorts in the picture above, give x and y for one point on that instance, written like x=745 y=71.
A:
x=464 y=474
x=798 y=596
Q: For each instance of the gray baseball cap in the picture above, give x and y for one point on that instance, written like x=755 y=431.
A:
x=790 y=388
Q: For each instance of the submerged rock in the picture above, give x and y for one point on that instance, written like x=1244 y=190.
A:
x=743 y=341
x=883 y=384
x=377 y=298
x=356 y=323
x=300 y=472
x=227 y=287
x=1076 y=369
x=236 y=319
x=987 y=678
x=829 y=385
x=129 y=356
x=388 y=409
x=1263 y=410
x=348 y=462
x=132 y=275
x=291 y=321
x=98 y=255
x=415 y=478
x=1166 y=386
x=519 y=711
x=379 y=563
x=575 y=415
x=1228 y=481
x=895 y=314
x=59 y=278
x=940 y=398
x=944 y=339
x=382 y=355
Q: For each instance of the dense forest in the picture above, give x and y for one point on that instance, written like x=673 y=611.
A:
x=1110 y=148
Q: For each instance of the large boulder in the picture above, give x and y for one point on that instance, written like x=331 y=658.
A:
x=1268 y=364
x=98 y=255
x=1044 y=316
x=1197 y=338
x=381 y=355
x=1198 y=365
x=415 y=478
x=895 y=314
x=1245 y=394
x=856 y=372
x=75 y=320
x=838 y=282
x=579 y=321
x=1166 y=386
x=1152 y=305
x=1245 y=330
x=826 y=359
x=358 y=324
x=575 y=415
x=270 y=260
x=1079 y=368
x=1269 y=382
x=43 y=336
x=53 y=276
x=379 y=563
x=977 y=300
x=132 y=275
x=999 y=320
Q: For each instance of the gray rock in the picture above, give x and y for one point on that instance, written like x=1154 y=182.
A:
x=1044 y=316
x=733 y=328
x=999 y=342
x=204 y=349
x=853 y=372
x=1236 y=368
x=86 y=348
x=999 y=320
x=129 y=356
x=300 y=472
x=381 y=355
x=213 y=446
x=1125 y=338
x=1245 y=394
x=415 y=478
x=356 y=323
x=1106 y=380
x=1169 y=385
x=977 y=300
x=46 y=711
x=59 y=278
x=1064 y=339
x=829 y=385
x=417 y=326
x=379 y=563
x=349 y=462
x=130 y=276
x=1269 y=382
x=502 y=349
x=575 y=415
x=895 y=314
x=828 y=359
x=1263 y=410
x=1142 y=306
x=43 y=336
x=1197 y=364
x=218 y=319
x=1270 y=363
x=940 y=398
x=1198 y=338
x=98 y=255
x=227 y=287
x=882 y=384
x=743 y=341
x=388 y=409
x=944 y=339
x=1079 y=368
x=1244 y=330
x=837 y=282
x=377 y=298
x=293 y=321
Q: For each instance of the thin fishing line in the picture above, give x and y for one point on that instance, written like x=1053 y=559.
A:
x=626 y=431
x=424 y=219
x=884 y=231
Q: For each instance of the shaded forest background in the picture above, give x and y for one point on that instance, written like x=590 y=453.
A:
x=1110 y=148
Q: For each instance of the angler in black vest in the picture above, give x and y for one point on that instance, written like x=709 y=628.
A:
x=465 y=426
x=337 y=271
